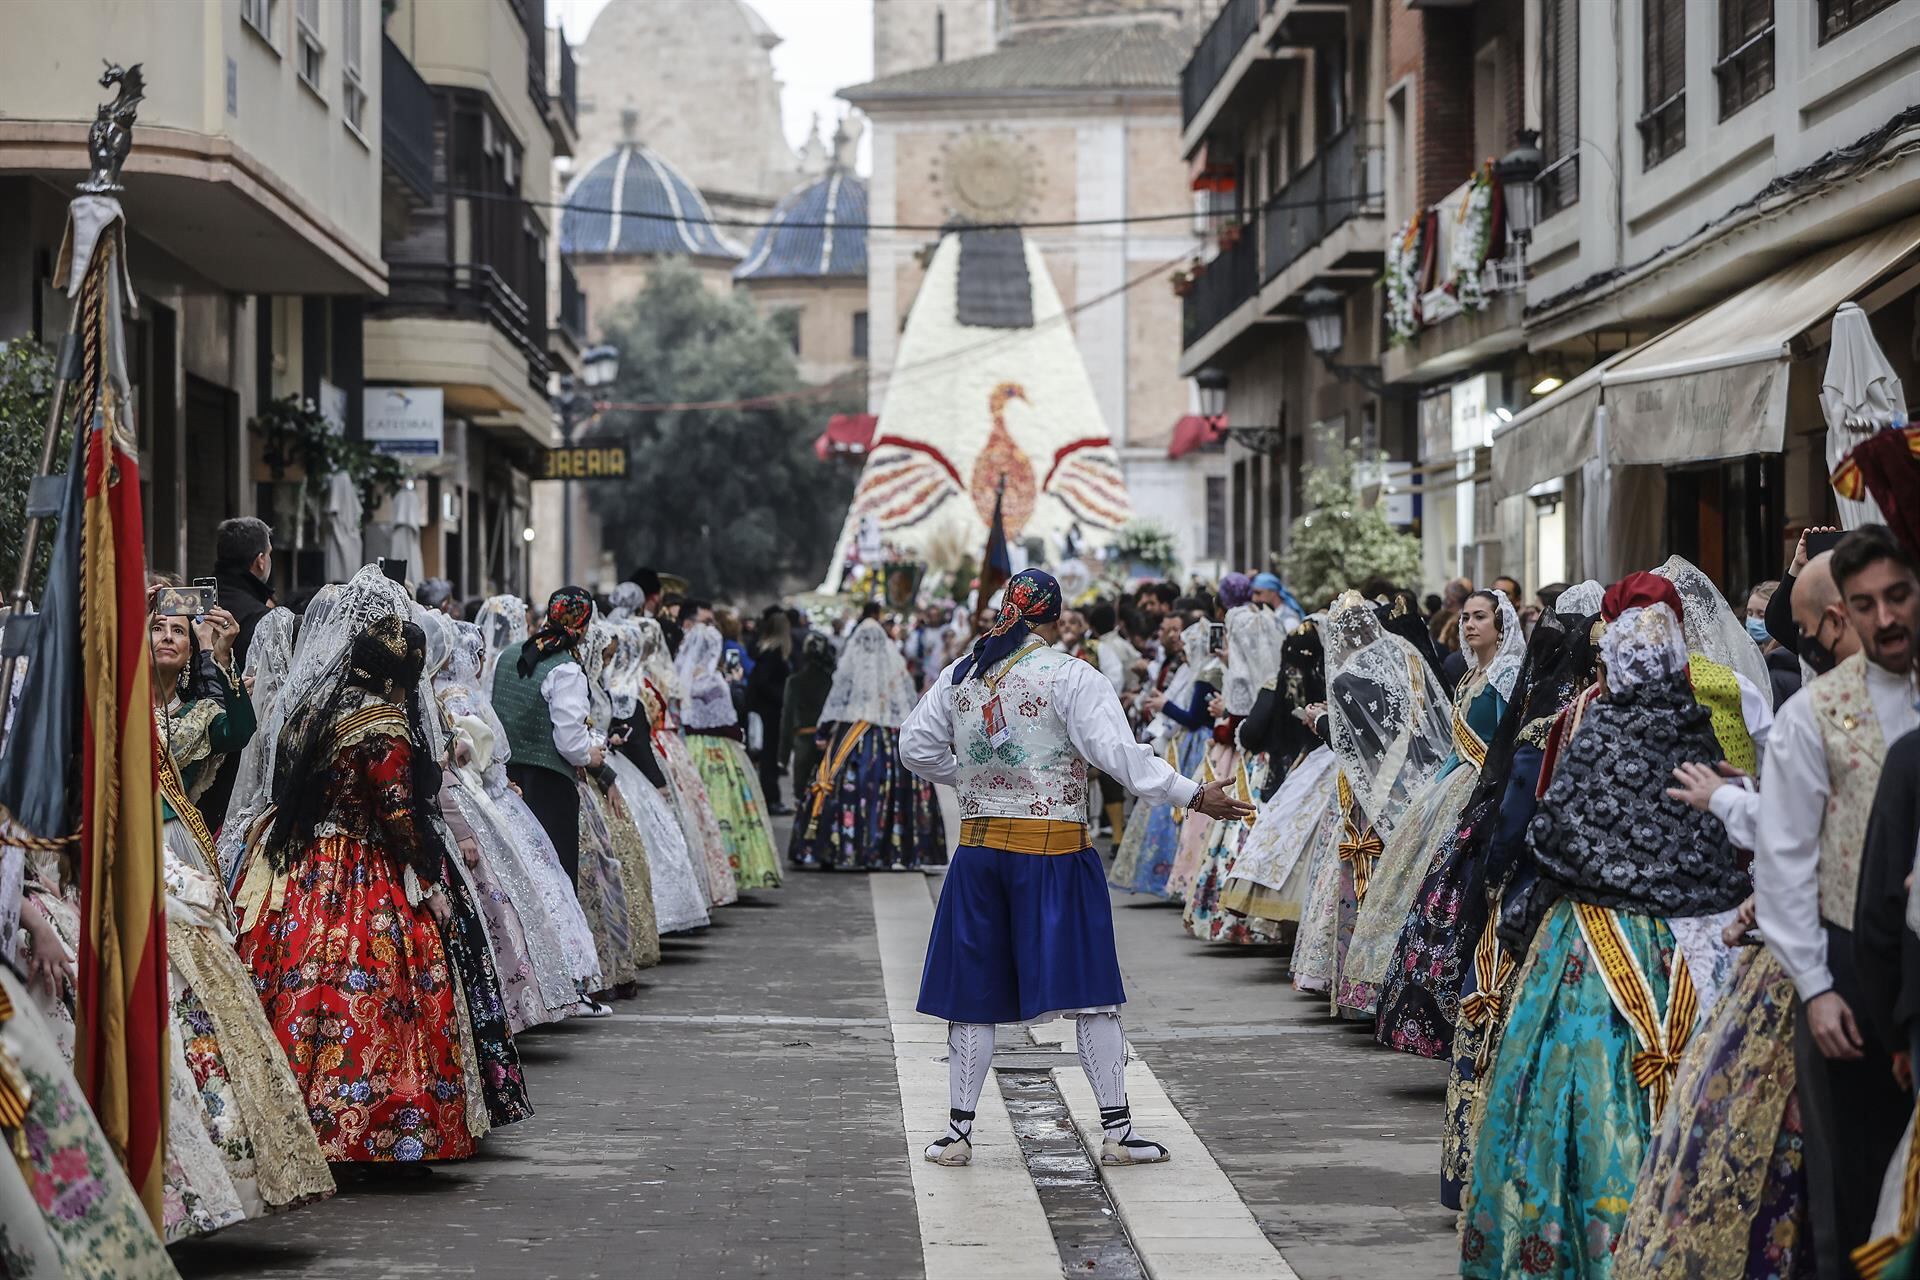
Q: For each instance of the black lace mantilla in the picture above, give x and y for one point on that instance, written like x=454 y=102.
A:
x=1607 y=833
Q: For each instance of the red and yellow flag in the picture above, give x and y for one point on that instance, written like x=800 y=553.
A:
x=121 y=1056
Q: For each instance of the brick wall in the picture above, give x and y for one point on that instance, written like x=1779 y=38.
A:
x=1445 y=95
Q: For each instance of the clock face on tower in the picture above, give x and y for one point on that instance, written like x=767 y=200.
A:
x=988 y=175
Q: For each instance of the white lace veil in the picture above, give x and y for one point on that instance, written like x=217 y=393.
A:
x=871 y=682
x=705 y=702
x=269 y=660
x=1254 y=637
x=465 y=696
x=1504 y=667
x=1643 y=644
x=656 y=662
x=625 y=601
x=1711 y=627
x=503 y=622
x=623 y=673
x=1388 y=715
x=593 y=661
x=1583 y=599
x=434 y=677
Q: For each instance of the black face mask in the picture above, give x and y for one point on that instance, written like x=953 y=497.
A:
x=1814 y=652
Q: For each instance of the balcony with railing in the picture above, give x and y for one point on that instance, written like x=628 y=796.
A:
x=467 y=291
x=407 y=111
x=568 y=80
x=1218 y=291
x=1342 y=181
x=1214 y=56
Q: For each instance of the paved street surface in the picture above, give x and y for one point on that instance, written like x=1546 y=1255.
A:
x=744 y=1117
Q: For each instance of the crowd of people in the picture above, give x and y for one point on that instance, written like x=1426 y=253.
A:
x=395 y=840
x=1633 y=863
x=1601 y=853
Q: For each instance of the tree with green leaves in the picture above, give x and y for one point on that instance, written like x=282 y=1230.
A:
x=26 y=392
x=733 y=499
x=1344 y=541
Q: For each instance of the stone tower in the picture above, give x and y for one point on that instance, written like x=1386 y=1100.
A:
x=918 y=33
x=700 y=74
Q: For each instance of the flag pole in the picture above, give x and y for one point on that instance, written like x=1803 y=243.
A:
x=109 y=139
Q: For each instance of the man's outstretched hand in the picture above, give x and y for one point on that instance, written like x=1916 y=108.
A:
x=1218 y=803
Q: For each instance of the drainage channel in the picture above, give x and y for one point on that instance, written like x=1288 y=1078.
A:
x=1086 y=1228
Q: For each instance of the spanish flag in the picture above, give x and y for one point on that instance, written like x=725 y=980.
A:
x=121 y=1057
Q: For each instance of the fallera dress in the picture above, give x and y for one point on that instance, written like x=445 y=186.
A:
x=356 y=980
x=862 y=809
x=1606 y=1003
x=713 y=739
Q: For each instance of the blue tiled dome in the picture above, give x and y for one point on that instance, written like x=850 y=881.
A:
x=819 y=229
x=632 y=179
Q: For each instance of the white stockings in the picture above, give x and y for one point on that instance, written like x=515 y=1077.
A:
x=1103 y=1056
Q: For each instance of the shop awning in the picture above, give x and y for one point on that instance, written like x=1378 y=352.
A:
x=1195 y=432
x=1551 y=437
x=1715 y=386
x=846 y=433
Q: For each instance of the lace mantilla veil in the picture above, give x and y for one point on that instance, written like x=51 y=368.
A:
x=269 y=661
x=871 y=682
x=1387 y=714
x=1254 y=637
x=1504 y=667
x=1711 y=627
x=705 y=702
x=503 y=622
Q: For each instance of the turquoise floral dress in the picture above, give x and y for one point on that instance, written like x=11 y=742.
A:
x=1567 y=1125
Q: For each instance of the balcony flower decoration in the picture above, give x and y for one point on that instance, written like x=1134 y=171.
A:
x=1406 y=254
x=1183 y=278
x=1230 y=232
x=1477 y=231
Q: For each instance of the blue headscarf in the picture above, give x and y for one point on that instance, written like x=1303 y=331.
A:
x=1271 y=582
x=1032 y=598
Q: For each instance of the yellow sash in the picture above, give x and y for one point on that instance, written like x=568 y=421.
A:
x=1487 y=1006
x=1025 y=835
x=1662 y=1040
x=1871 y=1258
x=1360 y=850
x=830 y=766
x=15 y=1090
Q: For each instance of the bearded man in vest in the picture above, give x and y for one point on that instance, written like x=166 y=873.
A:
x=1823 y=763
x=542 y=699
x=1024 y=931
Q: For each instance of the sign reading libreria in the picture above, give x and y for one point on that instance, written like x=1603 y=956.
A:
x=584 y=462
x=405 y=420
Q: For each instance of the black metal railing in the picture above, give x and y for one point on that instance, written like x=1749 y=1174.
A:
x=533 y=20
x=573 y=305
x=1559 y=185
x=1236 y=21
x=466 y=291
x=406 y=120
x=569 y=81
x=1344 y=178
x=1229 y=280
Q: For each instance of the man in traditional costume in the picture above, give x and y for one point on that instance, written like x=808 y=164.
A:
x=1823 y=763
x=1023 y=932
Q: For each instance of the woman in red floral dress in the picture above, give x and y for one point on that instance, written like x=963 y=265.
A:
x=339 y=918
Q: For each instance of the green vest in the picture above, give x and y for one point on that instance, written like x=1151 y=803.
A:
x=523 y=711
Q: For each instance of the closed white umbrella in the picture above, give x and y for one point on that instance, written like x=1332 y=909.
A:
x=1859 y=395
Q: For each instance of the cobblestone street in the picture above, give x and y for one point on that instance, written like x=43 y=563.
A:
x=743 y=1117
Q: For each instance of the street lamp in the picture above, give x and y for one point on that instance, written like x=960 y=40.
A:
x=1519 y=174
x=1325 y=313
x=1212 y=384
x=599 y=366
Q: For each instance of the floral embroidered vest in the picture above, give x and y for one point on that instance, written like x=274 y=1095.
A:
x=1856 y=749
x=1033 y=773
x=1715 y=689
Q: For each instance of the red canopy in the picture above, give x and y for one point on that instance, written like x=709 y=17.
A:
x=846 y=433
x=1195 y=432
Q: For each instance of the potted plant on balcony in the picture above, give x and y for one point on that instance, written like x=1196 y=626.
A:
x=1183 y=281
x=1230 y=232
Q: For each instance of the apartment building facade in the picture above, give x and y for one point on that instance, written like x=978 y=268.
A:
x=1496 y=288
